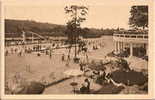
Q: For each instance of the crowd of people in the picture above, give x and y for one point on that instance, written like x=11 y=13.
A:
x=21 y=50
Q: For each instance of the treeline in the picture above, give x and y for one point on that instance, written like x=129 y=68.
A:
x=13 y=28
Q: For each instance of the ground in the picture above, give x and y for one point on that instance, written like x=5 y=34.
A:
x=43 y=68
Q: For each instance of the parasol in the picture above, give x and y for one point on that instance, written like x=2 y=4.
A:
x=73 y=72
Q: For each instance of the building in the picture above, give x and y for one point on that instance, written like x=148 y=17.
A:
x=133 y=41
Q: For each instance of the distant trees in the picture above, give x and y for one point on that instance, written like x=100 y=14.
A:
x=85 y=32
x=139 y=17
x=77 y=15
x=13 y=28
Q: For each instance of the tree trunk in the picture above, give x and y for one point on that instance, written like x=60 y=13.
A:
x=75 y=48
x=69 y=52
x=75 y=33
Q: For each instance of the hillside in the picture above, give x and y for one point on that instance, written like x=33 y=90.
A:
x=13 y=28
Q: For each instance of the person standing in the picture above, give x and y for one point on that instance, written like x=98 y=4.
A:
x=6 y=53
x=50 y=55
x=63 y=57
x=81 y=66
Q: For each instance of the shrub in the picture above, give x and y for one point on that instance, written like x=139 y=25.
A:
x=129 y=78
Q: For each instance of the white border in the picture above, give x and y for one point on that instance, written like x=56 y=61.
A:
x=118 y=96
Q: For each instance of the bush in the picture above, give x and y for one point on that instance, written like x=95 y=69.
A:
x=129 y=78
x=35 y=88
x=123 y=64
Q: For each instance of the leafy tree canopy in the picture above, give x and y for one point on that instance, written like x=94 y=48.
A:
x=139 y=17
x=77 y=15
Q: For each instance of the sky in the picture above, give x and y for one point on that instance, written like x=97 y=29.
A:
x=102 y=14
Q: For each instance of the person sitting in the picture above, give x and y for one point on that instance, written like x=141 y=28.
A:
x=108 y=77
x=85 y=89
x=96 y=72
x=103 y=75
x=88 y=84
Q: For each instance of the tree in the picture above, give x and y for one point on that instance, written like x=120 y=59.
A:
x=139 y=17
x=77 y=15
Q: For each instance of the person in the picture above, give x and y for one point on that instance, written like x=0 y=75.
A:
x=96 y=72
x=38 y=54
x=69 y=58
x=87 y=85
x=63 y=57
x=50 y=53
x=53 y=45
x=15 y=50
x=20 y=53
x=108 y=77
x=85 y=89
x=93 y=47
x=81 y=67
x=103 y=74
x=6 y=53
x=46 y=52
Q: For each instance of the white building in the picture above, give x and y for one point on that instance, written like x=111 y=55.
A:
x=131 y=40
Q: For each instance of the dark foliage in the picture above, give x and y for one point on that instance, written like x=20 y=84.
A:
x=109 y=89
x=129 y=78
x=139 y=16
x=13 y=28
x=33 y=88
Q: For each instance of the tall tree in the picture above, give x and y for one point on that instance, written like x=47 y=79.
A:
x=139 y=17
x=77 y=15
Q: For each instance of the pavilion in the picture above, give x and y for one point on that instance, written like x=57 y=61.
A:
x=130 y=40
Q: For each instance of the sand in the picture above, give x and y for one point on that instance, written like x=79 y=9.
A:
x=44 y=68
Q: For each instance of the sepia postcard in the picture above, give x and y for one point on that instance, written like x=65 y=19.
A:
x=76 y=49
